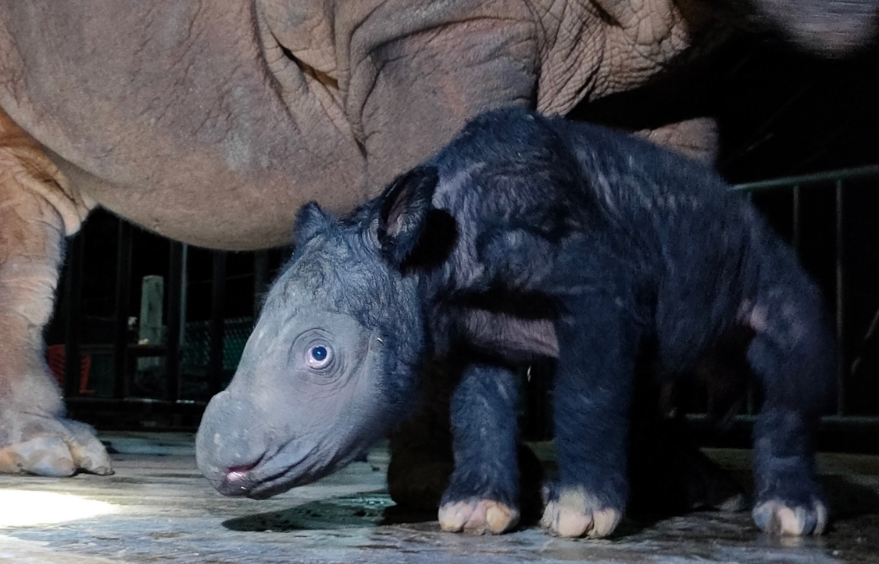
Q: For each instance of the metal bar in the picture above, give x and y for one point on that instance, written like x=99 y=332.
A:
x=865 y=344
x=835 y=433
x=750 y=402
x=874 y=325
x=795 y=212
x=123 y=299
x=73 y=306
x=260 y=279
x=846 y=174
x=840 y=302
x=184 y=293
x=175 y=297
x=218 y=300
x=850 y=420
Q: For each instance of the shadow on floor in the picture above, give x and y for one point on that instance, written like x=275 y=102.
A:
x=348 y=512
x=849 y=501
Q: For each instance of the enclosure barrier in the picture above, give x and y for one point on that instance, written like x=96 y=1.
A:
x=83 y=402
x=837 y=179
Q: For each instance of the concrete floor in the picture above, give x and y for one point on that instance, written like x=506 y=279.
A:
x=157 y=508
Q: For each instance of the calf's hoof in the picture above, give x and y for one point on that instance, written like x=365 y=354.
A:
x=776 y=517
x=575 y=513
x=478 y=516
x=48 y=446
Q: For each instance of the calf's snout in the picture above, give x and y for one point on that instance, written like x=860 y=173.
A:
x=229 y=446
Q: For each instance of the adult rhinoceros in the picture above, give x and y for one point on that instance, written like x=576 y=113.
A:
x=213 y=121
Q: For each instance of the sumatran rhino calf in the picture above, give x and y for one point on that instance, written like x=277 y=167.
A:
x=526 y=236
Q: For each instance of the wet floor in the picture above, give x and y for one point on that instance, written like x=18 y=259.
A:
x=157 y=508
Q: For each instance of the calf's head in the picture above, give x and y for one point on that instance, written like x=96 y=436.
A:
x=331 y=364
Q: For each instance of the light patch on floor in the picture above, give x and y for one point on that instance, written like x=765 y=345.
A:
x=23 y=508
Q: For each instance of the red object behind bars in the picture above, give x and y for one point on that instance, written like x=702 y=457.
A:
x=55 y=357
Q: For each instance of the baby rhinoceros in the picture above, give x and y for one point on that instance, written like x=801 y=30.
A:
x=526 y=237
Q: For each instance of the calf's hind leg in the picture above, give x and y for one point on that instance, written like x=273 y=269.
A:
x=36 y=212
x=592 y=392
x=793 y=357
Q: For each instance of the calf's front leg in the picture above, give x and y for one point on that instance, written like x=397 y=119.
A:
x=483 y=493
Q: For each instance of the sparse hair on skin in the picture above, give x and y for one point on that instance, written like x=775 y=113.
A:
x=530 y=237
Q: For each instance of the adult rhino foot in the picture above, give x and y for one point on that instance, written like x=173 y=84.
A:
x=49 y=446
x=479 y=516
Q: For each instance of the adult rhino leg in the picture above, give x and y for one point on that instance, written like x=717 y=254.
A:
x=669 y=475
x=37 y=210
x=421 y=448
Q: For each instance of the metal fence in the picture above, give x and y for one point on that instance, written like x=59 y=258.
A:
x=110 y=377
x=198 y=355
x=856 y=346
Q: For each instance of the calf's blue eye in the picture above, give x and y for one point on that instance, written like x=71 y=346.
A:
x=319 y=353
x=319 y=356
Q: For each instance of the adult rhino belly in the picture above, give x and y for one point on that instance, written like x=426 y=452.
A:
x=217 y=208
x=167 y=113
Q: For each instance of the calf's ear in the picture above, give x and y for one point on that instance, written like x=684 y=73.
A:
x=310 y=220
x=405 y=208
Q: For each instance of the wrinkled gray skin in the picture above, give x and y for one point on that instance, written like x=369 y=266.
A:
x=212 y=122
x=325 y=414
